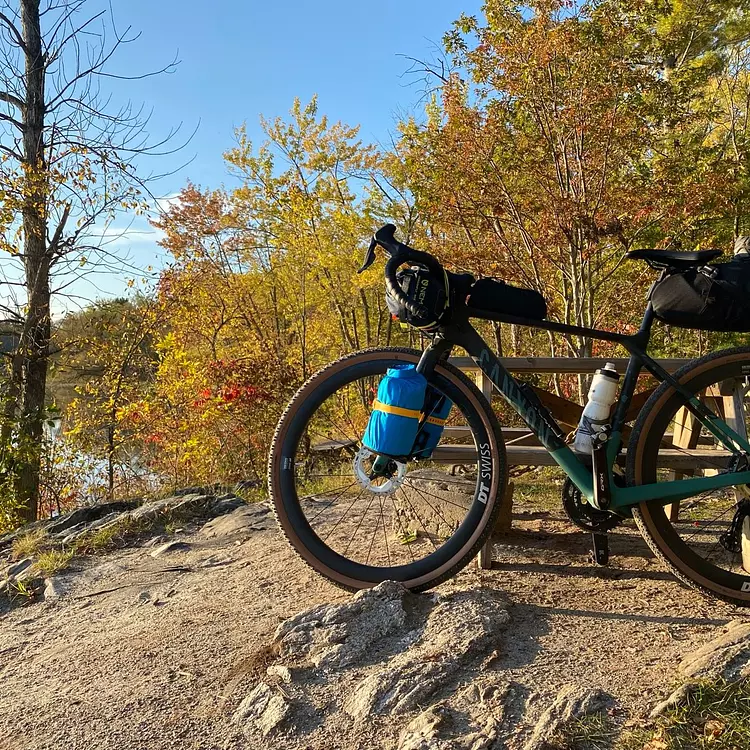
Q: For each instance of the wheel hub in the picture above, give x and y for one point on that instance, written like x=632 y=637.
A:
x=383 y=483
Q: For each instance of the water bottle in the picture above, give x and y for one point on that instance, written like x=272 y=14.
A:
x=596 y=413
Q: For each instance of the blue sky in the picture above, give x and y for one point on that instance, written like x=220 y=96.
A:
x=243 y=59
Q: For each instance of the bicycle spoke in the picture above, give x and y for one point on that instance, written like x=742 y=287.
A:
x=437 y=497
x=342 y=517
x=372 y=543
x=424 y=528
x=353 y=536
x=331 y=503
x=712 y=521
x=404 y=532
x=435 y=510
x=385 y=532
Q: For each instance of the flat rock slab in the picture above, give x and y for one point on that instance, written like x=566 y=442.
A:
x=17 y=568
x=174 y=546
x=458 y=629
x=333 y=636
x=247 y=518
x=726 y=656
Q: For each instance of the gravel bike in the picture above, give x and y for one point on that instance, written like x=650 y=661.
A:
x=359 y=521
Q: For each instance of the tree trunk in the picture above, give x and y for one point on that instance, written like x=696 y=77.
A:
x=111 y=462
x=34 y=346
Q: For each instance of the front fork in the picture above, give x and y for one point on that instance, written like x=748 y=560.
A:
x=439 y=350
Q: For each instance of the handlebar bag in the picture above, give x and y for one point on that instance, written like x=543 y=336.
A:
x=494 y=295
x=394 y=421
x=425 y=288
x=711 y=298
x=436 y=408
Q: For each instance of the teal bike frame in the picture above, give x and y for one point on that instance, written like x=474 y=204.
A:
x=461 y=333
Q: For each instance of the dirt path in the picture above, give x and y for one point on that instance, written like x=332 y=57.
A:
x=144 y=652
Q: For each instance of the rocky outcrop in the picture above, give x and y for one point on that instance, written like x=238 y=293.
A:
x=457 y=629
x=387 y=652
x=727 y=655
x=215 y=500
x=264 y=707
x=334 y=636
x=231 y=515
x=571 y=703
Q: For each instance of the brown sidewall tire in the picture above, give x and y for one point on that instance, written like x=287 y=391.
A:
x=497 y=485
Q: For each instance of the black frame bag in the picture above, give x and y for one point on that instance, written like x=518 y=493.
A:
x=495 y=295
x=711 y=298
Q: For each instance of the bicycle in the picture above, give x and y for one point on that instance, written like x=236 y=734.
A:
x=358 y=526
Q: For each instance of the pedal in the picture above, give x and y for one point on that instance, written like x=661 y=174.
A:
x=600 y=549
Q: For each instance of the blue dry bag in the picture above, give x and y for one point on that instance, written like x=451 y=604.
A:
x=436 y=407
x=394 y=421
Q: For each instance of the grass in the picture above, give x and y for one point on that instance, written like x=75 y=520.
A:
x=117 y=534
x=714 y=716
x=29 y=544
x=592 y=732
x=541 y=488
x=252 y=494
x=52 y=561
x=21 y=590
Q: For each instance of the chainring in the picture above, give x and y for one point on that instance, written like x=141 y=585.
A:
x=582 y=514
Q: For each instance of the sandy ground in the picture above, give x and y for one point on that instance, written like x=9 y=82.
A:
x=144 y=652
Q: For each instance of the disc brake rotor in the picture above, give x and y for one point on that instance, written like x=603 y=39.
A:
x=364 y=457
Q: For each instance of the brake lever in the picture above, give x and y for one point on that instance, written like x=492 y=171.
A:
x=370 y=255
x=386 y=239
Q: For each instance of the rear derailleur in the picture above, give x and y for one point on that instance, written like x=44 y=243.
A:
x=731 y=540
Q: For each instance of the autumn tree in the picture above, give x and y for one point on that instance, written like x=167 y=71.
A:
x=107 y=359
x=567 y=133
x=265 y=290
x=528 y=165
x=303 y=206
x=67 y=167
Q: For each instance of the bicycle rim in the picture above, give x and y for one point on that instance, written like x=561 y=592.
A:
x=697 y=537
x=422 y=530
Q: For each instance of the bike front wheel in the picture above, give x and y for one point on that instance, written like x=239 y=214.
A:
x=419 y=525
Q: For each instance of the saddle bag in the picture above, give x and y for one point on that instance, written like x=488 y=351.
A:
x=711 y=298
x=394 y=421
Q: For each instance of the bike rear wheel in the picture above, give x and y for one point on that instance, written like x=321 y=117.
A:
x=691 y=537
x=419 y=530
